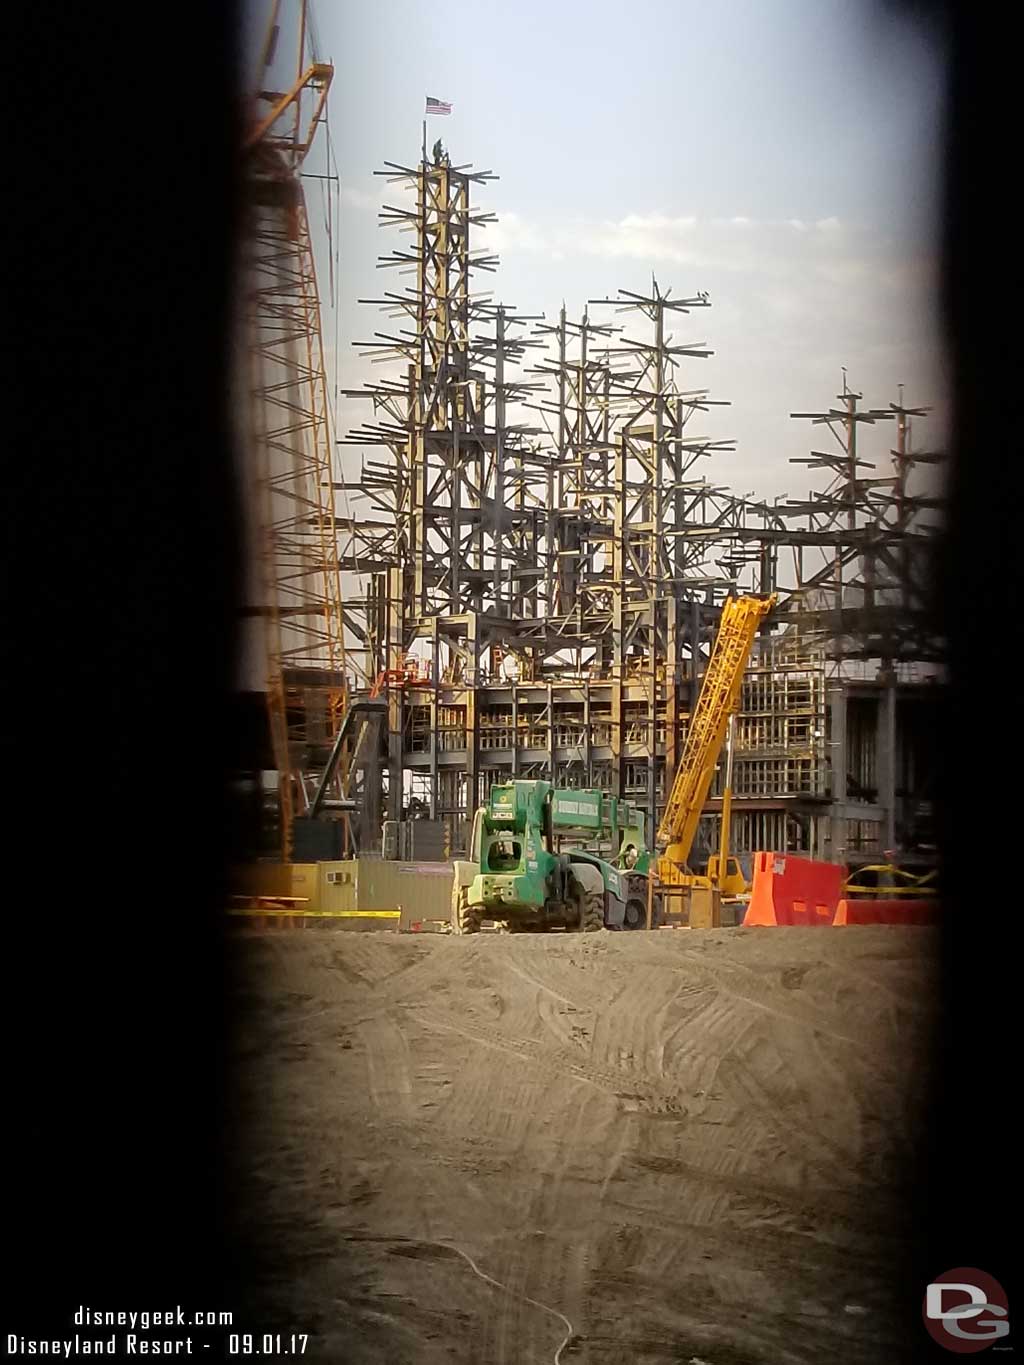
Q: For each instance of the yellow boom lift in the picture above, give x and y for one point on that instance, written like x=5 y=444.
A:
x=712 y=717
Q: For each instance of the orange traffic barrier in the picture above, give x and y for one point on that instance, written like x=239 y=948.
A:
x=788 y=890
x=891 y=911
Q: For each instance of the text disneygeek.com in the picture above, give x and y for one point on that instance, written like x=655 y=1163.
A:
x=157 y=1332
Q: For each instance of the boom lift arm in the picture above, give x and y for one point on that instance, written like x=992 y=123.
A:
x=719 y=699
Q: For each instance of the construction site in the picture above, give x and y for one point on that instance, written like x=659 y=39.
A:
x=544 y=554
x=518 y=662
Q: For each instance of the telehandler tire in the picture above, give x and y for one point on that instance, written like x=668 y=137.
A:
x=592 y=912
x=635 y=916
x=466 y=918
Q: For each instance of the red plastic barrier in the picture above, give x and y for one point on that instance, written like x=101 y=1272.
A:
x=893 y=911
x=788 y=890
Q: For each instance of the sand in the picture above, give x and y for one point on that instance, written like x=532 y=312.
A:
x=670 y=1147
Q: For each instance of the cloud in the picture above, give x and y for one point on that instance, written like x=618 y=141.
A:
x=636 y=238
x=654 y=222
x=513 y=233
x=794 y=298
x=733 y=243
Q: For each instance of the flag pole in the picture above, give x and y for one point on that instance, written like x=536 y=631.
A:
x=424 y=139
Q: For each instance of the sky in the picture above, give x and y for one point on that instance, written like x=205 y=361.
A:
x=781 y=155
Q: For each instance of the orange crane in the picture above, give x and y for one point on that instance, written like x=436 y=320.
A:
x=716 y=706
x=289 y=475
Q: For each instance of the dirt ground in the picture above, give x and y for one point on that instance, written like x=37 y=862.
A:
x=669 y=1147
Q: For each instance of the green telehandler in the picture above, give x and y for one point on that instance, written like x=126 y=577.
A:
x=529 y=868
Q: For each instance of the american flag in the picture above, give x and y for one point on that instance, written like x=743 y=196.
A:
x=437 y=106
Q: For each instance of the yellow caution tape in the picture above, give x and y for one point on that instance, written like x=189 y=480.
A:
x=318 y=914
x=918 y=885
x=884 y=893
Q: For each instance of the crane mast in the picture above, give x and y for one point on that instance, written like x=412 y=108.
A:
x=289 y=472
x=719 y=699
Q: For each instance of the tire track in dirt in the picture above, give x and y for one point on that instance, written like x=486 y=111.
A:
x=659 y=1136
x=560 y=1265
x=512 y=965
x=758 y=1097
x=388 y=1066
x=552 y=1062
x=569 y=1023
x=799 y=1018
x=534 y=1303
x=556 y=1226
x=773 y=1195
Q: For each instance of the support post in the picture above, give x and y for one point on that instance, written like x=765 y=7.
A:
x=885 y=757
x=836 y=700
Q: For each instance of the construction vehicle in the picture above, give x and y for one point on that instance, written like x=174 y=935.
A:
x=712 y=718
x=520 y=874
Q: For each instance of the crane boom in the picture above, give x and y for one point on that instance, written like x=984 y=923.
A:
x=719 y=698
x=297 y=599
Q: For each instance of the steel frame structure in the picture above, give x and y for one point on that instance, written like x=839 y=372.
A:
x=585 y=557
x=868 y=592
x=541 y=547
